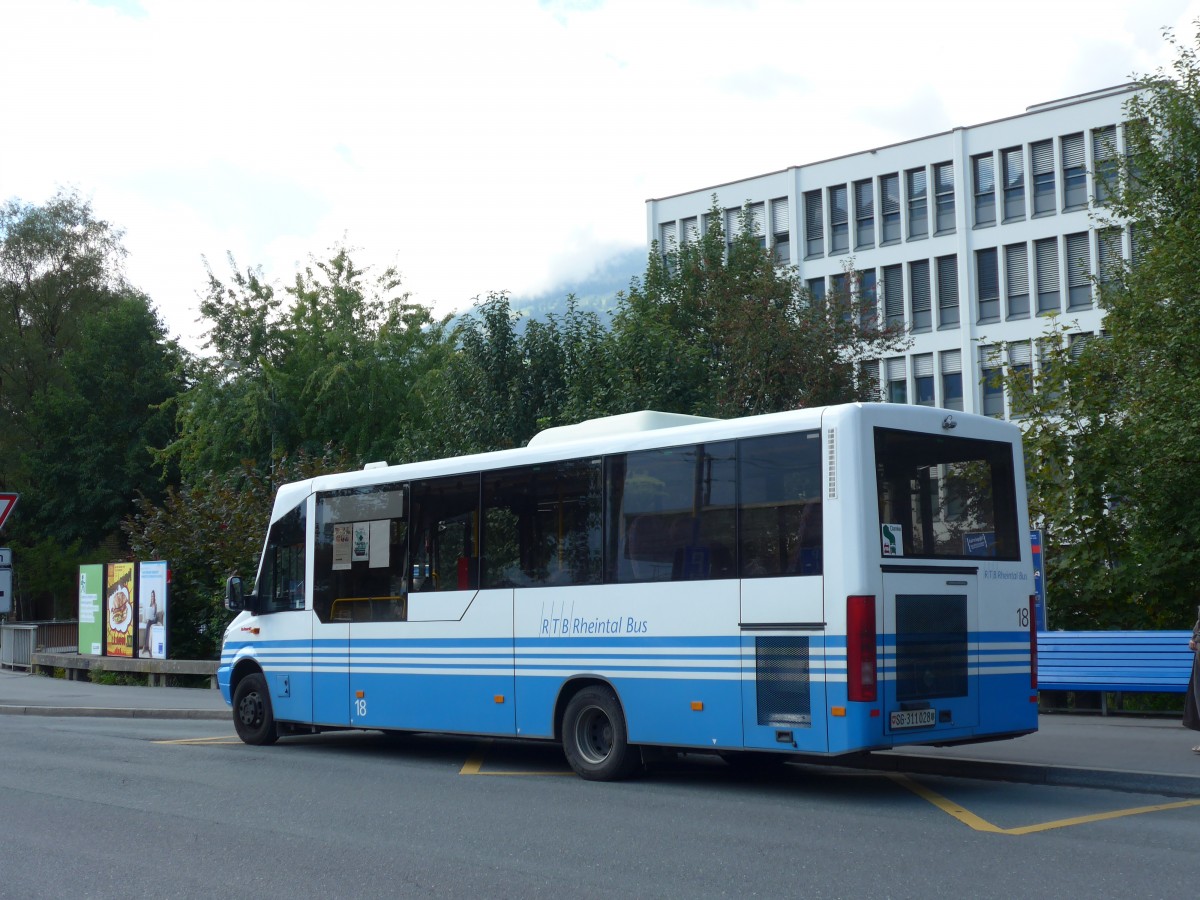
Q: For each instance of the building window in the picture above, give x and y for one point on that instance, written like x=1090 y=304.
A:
x=918 y=204
x=897 y=381
x=868 y=297
x=733 y=225
x=1013 y=163
x=889 y=203
x=983 y=172
x=1043 y=177
x=918 y=284
x=943 y=187
x=947 y=287
x=1077 y=343
x=691 y=230
x=1079 y=271
x=987 y=284
x=667 y=242
x=838 y=285
x=893 y=295
x=870 y=381
x=952 y=388
x=923 y=379
x=839 y=220
x=757 y=223
x=816 y=289
x=1109 y=256
x=864 y=215
x=1016 y=277
x=1135 y=246
x=1074 y=166
x=781 y=231
x=1104 y=153
x=1020 y=364
x=814 y=225
x=990 y=380
x=1046 y=256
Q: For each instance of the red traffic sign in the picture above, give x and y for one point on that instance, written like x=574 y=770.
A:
x=7 y=502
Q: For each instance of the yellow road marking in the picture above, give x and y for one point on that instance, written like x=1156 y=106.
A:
x=978 y=823
x=474 y=766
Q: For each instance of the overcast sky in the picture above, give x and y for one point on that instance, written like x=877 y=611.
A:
x=494 y=144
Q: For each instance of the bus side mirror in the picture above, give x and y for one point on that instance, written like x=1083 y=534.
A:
x=235 y=598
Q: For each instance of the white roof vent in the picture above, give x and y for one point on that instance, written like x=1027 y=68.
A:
x=607 y=426
x=378 y=464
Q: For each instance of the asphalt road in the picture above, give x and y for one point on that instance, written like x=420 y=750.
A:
x=156 y=808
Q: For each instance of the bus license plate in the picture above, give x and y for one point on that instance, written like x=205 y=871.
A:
x=913 y=718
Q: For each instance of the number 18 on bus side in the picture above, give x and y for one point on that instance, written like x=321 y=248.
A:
x=797 y=585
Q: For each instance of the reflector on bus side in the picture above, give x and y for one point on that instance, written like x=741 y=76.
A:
x=1033 y=642
x=860 y=649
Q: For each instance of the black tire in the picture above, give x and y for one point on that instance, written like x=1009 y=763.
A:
x=252 y=715
x=595 y=740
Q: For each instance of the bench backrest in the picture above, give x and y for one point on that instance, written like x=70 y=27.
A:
x=1129 y=661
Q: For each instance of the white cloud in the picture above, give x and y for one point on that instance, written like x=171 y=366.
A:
x=487 y=145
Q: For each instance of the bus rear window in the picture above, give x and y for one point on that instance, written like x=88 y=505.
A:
x=945 y=497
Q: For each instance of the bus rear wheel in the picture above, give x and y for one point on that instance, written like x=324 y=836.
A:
x=595 y=740
x=252 y=715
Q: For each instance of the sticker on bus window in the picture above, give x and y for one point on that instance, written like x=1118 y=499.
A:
x=893 y=540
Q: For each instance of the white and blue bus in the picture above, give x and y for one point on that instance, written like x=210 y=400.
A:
x=807 y=584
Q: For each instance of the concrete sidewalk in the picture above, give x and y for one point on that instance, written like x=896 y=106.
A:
x=1116 y=752
x=35 y=695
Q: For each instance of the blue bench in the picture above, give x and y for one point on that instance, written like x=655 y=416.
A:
x=1120 y=662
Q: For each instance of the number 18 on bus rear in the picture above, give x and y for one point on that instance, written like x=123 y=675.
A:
x=799 y=585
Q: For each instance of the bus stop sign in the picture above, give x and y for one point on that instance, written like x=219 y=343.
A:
x=7 y=502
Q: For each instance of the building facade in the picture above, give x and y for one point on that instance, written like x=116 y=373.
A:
x=972 y=239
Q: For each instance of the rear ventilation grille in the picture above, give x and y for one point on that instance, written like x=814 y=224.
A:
x=784 y=692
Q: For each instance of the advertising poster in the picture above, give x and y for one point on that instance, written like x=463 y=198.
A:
x=152 y=610
x=91 y=610
x=120 y=625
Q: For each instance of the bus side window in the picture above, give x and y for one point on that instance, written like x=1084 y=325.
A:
x=779 y=514
x=361 y=563
x=281 y=585
x=444 y=547
x=671 y=514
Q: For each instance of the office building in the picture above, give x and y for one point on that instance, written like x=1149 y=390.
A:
x=970 y=238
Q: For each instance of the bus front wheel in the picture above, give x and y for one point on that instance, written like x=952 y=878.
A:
x=252 y=715
x=595 y=741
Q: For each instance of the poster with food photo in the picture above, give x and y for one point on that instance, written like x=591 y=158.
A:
x=120 y=626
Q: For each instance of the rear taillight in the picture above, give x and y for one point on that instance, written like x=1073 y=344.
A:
x=1033 y=642
x=860 y=649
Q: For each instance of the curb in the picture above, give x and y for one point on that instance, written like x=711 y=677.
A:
x=111 y=712
x=1035 y=773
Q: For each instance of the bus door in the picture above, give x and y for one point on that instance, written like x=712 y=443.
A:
x=928 y=671
x=331 y=672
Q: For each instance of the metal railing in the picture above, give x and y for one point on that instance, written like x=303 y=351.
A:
x=17 y=645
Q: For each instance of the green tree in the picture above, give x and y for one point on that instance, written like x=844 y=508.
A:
x=717 y=327
x=208 y=530
x=85 y=367
x=1113 y=447
x=337 y=358
x=503 y=383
